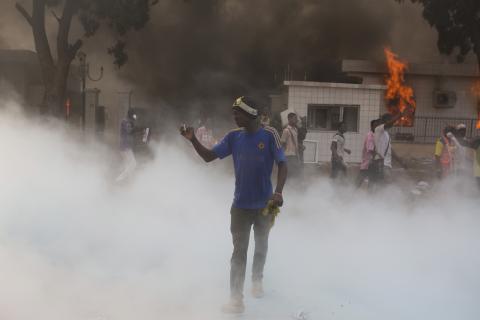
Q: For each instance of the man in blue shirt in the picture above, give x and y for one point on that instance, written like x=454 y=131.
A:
x=254 y=150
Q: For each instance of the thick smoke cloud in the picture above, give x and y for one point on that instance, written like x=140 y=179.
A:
x=197 y=53
x=203 y=50
x=74 y=246
x=209 y=48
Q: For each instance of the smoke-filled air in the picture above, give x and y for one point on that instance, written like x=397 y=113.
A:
x=75 y=247
x=239 y=159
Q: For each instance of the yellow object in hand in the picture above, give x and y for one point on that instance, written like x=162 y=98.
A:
x=271 y=210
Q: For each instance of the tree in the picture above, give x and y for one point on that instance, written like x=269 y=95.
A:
x=119 y=15
x=457 y=23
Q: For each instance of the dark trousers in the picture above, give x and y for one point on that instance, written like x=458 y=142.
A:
x=338 y=169
x=241 y=223
x=362 y=175
x=294 y=166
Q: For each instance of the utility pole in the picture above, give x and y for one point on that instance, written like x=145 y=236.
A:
x=84 y=73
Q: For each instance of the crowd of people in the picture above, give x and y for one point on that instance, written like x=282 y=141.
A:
x=455 y=155
x=255 y=147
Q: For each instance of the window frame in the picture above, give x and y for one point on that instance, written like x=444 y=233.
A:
x=311 y=108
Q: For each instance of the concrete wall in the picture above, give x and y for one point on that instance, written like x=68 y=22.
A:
x=424 y=88
x=369 y=99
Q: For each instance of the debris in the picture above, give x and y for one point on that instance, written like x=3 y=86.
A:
x=300 y=315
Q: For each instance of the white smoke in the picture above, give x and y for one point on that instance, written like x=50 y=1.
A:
x=74 y=246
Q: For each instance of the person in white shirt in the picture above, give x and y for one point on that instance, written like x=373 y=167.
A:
x=338 y=152
x=383 y=147
x=291 y=146
x=462 y=162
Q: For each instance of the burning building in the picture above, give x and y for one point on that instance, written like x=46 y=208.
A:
x=440 y=94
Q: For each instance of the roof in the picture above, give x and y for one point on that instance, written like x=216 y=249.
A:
x=427 y=69
x=334 y=85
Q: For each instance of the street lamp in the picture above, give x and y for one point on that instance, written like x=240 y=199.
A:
x=84 y=73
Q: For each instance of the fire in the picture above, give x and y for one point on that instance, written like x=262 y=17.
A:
x=476 y=93
x=399 y=96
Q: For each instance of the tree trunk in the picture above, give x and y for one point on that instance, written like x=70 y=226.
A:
x=55 y=75
x=55 y=90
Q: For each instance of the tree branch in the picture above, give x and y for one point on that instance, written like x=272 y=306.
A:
x=55 y=16
x=65 y=22
x=73 y=49
x=24 y=13
x=42 y=45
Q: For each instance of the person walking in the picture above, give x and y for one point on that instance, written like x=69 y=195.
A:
x=254 y=150
x=127 y=129
x=290 y=144
x=338 y=152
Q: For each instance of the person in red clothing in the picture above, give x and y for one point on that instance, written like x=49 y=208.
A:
x=445 y=153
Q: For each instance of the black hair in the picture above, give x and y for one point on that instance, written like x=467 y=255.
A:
x=448 y=129
x=386 y=117
x=130 y=113
x=340 y=124
x=291 y=115
x=373 y=124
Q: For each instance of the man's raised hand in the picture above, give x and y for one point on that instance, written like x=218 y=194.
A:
x=187 y=132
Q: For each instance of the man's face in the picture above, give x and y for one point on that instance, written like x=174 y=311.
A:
x=342 y=128
x=293 y=121
x=462 y=133
x=241 y=119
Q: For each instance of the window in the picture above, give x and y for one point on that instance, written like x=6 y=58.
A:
x=327 y=117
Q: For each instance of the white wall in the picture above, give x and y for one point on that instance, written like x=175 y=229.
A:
x=424 y=87
x=369 y=98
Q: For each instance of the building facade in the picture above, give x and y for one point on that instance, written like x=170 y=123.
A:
x=443 y=94
x=326 y=104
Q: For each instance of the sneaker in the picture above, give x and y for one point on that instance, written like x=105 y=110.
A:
x=234 y=306
x=257 y=289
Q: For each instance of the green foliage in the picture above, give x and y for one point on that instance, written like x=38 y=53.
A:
x=121 y=16
x=457 y=23
x=118 y=52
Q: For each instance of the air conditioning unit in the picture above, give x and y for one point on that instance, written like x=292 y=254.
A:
x=444 y=99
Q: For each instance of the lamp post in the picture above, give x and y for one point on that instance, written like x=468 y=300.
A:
x=84 y=74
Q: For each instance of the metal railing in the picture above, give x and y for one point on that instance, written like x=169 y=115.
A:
x=428 y=129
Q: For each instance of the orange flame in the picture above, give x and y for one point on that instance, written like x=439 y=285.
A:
x=476 y=93
x=399 y=96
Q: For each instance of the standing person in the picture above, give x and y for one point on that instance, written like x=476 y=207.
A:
x=127 y=129
x=382 y=161
x=264 y=119
x=368 y=153
x=338 y=152
x=462 y=162
x=445 y=153
x=254 y=150
x=302 y=135
x=289 y=142
x=475 y=145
